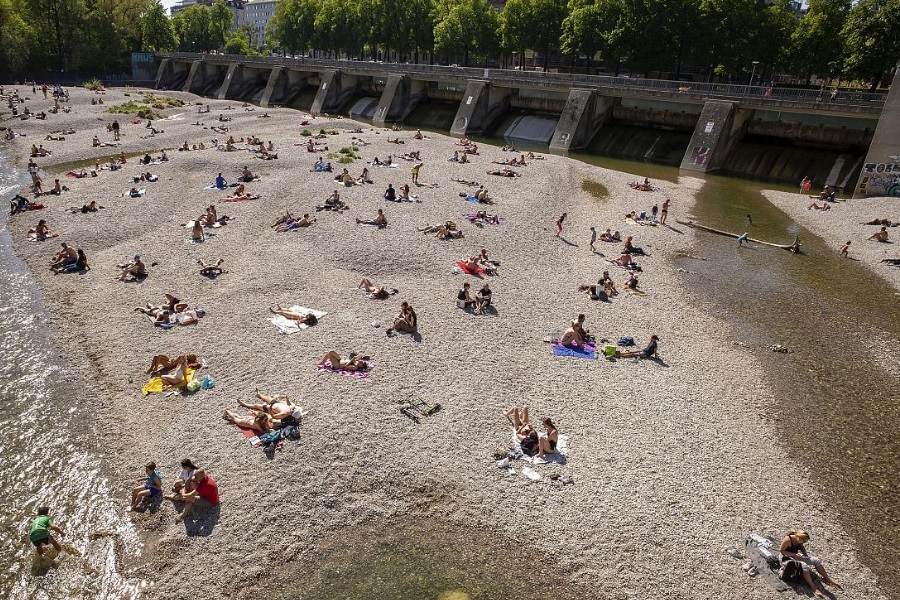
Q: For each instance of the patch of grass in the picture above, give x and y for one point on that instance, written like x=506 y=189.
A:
x=146 y=106
x=306 y=133
x=92 y=84
x=328 y=132
x=595 y=189
x=345 y=160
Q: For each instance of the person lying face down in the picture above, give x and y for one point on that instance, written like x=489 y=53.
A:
x=355 y=362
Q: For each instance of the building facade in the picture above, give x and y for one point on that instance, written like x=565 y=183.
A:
x=257 y=14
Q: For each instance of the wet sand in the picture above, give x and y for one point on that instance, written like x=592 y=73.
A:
x=672 y=460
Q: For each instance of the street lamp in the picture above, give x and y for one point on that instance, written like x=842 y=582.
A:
x=753 y=72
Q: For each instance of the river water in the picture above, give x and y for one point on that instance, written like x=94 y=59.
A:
x=44 y=456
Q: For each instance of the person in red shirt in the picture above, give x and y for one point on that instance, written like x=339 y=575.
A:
x=205 y=487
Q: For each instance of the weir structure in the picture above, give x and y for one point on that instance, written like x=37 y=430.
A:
x=716 y=116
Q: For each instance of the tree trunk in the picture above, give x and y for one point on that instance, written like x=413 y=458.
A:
x=876 y=81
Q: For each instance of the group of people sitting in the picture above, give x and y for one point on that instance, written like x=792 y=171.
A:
x=481 y=261
x=292 y=223
x=69 y=260
x=459 y=157
x=392 y=195
x=172 y=312
x=533 y=443
x=512 y=162
x=603 y=290
x=321 y=166
x=642 y=186
x=333 y=203
x=479 y=304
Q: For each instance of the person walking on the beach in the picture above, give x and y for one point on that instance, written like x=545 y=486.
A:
x=559 y=224
x=593 y=239
x=115 y=128
x=40 y=531
x=415 y=172
x=654 y=211
x=845 y=249
x=664 y=213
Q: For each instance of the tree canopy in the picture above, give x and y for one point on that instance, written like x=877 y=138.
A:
x=656 y=38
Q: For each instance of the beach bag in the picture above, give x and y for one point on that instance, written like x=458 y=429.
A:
x=609 y=350
x=273 y=437
x=626 y=340
x=791 y=572
x=193 y=386
x=290 y=432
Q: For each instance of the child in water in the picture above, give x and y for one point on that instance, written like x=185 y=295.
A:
x=40 y=531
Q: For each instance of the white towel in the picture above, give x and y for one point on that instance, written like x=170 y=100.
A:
x=560 y=457
x=288 y=326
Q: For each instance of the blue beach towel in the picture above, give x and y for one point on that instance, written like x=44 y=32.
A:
x=589 y=351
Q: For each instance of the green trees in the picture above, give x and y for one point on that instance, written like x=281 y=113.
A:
x=655 y=38
x=158 y=34
x=872 y=39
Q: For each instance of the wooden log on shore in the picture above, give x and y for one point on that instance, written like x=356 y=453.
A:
x=794 y=247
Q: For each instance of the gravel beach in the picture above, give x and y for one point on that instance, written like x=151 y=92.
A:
x=672 y=461
x=846 y=221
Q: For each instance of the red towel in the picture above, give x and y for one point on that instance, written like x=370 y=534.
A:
x=462 y=265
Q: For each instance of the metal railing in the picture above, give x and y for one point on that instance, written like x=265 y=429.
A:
x=856 y=102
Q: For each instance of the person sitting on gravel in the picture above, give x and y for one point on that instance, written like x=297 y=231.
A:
x=379 y=221
x=212 y=270
x=373 y=291
x=483 y=299
x=390 y=194
x=794 y=556
x=202 y=486
x=482 y=215
x=649 y=351
x=197 y=234
x=299 y=318
x=405 y=322
x=80 y=264
x=630 y=248
x=632 y=282
x=576 y=335
x=66 y=256
x=355 y=362
x=464 y=298
x=609 y=236
x=133 y=271
x=41 y=231
x=880 y=235
x=626 y=261
x=246 y=175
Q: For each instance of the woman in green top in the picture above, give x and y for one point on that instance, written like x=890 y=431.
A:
x=41 y=528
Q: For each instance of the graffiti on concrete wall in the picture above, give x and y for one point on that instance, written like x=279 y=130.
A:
x=880 y=179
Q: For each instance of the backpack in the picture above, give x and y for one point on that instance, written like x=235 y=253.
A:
x=625 y=340
x=268 y=439
x=791 y=572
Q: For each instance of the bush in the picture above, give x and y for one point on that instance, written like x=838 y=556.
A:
x=93 y=84
x=306 y=133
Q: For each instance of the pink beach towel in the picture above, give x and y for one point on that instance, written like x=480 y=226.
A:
x=345 y=373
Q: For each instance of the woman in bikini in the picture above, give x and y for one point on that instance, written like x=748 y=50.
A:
x=793 y=551
x=547 y=442
x=354 y=363
x=406 y=322
x=277 y=406
x=373 y=290
x=464 y=297
x=260 y=422
x=299 y=318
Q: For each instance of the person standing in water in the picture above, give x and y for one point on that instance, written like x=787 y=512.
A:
x=559 y=224
x=40 y=531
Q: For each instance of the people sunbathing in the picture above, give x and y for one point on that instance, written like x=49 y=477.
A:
x=880 y=235
x=374 y=291
x=259 y=422
x=814 y=205
x=405 y=322
x=630 y=248
x=644 y=186
x=625 y=260
x=609 y=236
x=278 y=406
x=69 y=260
x=533 y=443
x=482 y=215
x=211 y=270
x=445 y=231
x=504 y=173
x=291 y=223
x=197 y=234
x=379 y=221
x=576 y=335
x=298 y=317
x=136 y=270
x=174 y=312
x=355 y=362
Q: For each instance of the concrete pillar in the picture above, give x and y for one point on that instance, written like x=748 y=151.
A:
x=399 y=97
x=277 y=79
x=720 y=127
x=581 y=119
x=880 y=174
x=232 y=80
x=195 y=76
x=481 y=104
x=334 y=90
x=164 y=73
